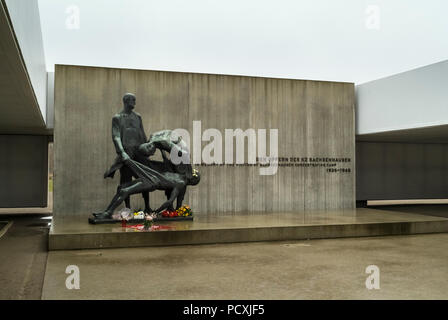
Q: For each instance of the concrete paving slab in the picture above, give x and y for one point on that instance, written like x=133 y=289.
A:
x=23 y=256
x=411 y=267
x=77 y=233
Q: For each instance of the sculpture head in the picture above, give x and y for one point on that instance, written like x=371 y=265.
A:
x=129 y=101
x=147 y=149
x=195 y=178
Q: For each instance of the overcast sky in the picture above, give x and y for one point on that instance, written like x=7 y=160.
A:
x=345 y=40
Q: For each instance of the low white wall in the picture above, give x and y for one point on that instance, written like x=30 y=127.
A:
x=25 y=19
x=50 y=100
x=413 y=99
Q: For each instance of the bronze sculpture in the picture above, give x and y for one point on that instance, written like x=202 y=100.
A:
x=132 y=160
x=127 y=135
x=149 y=180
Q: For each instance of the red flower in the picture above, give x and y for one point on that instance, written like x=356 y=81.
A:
x=165 y=213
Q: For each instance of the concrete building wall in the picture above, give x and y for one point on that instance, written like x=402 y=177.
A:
x=23 y=171
x=50 y=100
x=413 y=99
x=25 y=20
x=396 y=171
x=314 y=119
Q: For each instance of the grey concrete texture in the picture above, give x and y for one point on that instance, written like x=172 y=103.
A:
x=411 y=267
x=386 y=170
x=23 y=252
x=75 y=233
x=314 y=118
x=23 y=171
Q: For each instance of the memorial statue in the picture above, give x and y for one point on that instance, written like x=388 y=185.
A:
x=166 y=142
x=149 y=180
x=127 y=135
x=154 y=175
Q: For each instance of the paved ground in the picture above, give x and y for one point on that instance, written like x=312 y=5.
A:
x=411 y=267
x=23 y=256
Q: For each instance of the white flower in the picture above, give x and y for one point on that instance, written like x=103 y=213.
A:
x=125 y=213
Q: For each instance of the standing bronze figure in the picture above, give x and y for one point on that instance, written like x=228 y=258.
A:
x=127 y=135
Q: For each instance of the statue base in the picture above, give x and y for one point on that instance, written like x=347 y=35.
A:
x=93 y=220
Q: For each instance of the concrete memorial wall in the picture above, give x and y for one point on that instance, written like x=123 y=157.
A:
x=312 y=121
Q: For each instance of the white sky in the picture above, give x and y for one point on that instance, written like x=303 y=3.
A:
x=312 y=39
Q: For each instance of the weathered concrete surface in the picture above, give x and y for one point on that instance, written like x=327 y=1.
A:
x=23 y=171
x=411 y=267
x=23 y=256
x=314 y=119
x=75 y=233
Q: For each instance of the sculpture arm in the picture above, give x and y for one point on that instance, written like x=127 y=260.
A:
x=143 y=130
x=116 y=137
x=164 y=157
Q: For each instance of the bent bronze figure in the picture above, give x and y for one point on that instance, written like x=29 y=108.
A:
x=153 y=175
x=149 y=180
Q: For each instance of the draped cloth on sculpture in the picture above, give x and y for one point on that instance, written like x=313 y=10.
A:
x=145 y=173
x=162 y=140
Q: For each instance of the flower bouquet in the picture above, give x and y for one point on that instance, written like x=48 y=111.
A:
x=139 y=215
x=125 y=215
x=148 y=221
x=184 y=211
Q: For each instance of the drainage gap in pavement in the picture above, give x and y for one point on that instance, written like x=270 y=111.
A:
x=4 y=226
